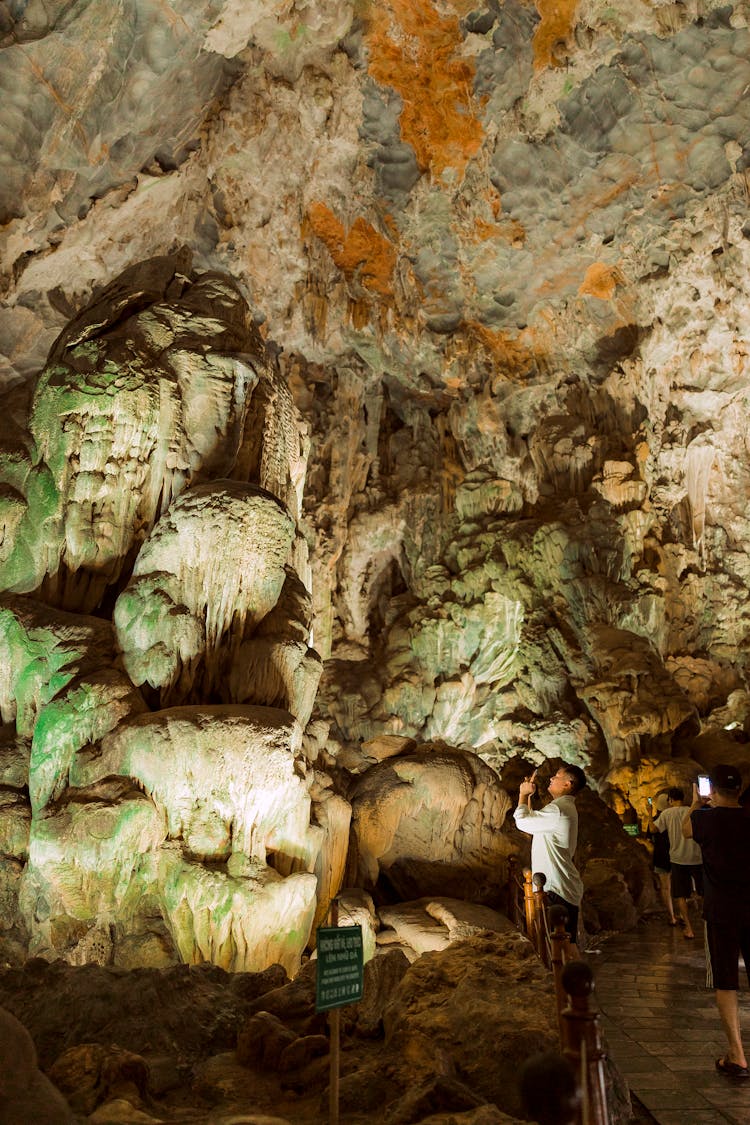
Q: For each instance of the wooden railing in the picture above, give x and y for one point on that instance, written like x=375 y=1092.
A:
x=560 y=940
x=527 y=908
x=578 y=1025
x=582 y=1042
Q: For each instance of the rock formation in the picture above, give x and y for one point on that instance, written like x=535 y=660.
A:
x=502 y=253
x=510 y=301
x=155 y=641
x=374 y=382
x=424 y=1040
x=427 y=823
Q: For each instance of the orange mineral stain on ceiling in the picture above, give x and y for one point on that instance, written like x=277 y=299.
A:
x=414 y=50
x=600 y=281
x=555 y=29
x=510 y=231
x=361 y=253
x=514 y=355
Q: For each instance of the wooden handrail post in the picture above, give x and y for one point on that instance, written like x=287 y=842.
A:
x=528 y=904
x=540 y=917
x=583 y=1041
x=560 y=940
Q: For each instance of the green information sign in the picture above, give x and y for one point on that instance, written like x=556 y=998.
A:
x=340 y=966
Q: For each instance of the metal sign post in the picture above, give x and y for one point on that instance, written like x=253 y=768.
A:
x=339 y=979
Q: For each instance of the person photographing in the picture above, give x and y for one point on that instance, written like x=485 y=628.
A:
x=722 y=829
x=554 y=836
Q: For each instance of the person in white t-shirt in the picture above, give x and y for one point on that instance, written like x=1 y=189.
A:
x=684 y=855
x=554 y=835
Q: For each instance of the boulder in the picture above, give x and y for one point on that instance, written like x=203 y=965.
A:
x=92 y=1073
x=26 y=1094
x=382 y=976
x=428 y=823
x=262 y=1041
x=293 y=1003
x=453 y=1007
x=432 y=924
x=179 y=1014
x=621 y=865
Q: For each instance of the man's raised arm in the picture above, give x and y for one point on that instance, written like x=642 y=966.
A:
x=687 y=824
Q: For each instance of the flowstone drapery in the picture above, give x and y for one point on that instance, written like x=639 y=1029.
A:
x=155 y=642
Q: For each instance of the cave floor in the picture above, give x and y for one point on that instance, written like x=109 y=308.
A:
x=661 y=1023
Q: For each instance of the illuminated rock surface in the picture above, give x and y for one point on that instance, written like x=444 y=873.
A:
x=427 y=821
x=434 y=924
x=507 y=299
x=383 y=366
x=188 y=835
x=141 y=396
x=212 y=569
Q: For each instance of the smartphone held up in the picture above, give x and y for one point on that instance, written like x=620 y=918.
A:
x=704 y=785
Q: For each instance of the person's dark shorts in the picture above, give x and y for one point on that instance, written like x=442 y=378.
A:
x=554 y=899
x=684 y=877
x=724 y=944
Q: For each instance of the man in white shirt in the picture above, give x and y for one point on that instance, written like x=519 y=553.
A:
x=554 y=835
x=684 y=855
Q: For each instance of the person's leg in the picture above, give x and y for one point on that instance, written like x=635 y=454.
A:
x=724 y=949
x=681 y=887
x=571 y=923
x=681 y=908
x=729 y=1013
x=574 y=951
x=665 y=887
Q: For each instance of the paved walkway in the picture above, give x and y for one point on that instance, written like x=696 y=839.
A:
x=662 y=1026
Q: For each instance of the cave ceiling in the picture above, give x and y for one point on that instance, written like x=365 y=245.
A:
x=499 y=253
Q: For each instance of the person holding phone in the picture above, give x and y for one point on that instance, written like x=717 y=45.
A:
x=723 y=832
x=704 y=785
x=554 y=836
x=684 y=855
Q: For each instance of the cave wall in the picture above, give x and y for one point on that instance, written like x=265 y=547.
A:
x=496 y=259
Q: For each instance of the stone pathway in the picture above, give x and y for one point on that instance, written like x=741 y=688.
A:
x=662 y=1027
